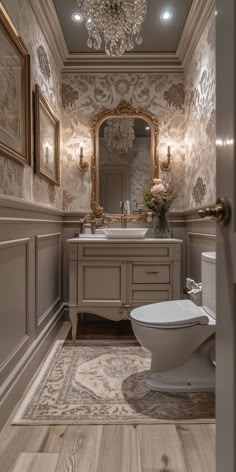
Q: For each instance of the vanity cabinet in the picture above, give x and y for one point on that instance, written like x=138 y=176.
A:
x=110 y=277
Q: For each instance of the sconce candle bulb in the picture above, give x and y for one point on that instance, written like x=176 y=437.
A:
x=166 y=165
x=81 y=150
x=83 y=166
x=47 y=154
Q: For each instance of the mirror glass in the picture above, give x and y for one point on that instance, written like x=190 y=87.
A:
x=125 y=163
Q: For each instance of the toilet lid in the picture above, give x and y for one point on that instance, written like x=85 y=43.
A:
x=167 y=314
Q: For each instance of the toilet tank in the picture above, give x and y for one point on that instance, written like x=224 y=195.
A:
x=208 y=267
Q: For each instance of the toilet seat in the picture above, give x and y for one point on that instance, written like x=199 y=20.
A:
x=172 y=314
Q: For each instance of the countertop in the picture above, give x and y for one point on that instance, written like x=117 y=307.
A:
x=128 y=240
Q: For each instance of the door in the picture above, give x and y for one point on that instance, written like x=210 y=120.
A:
x=226 y=238
x=115 y=187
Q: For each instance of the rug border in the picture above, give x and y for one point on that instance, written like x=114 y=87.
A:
x=19 y=421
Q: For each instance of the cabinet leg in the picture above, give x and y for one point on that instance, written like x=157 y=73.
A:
x=74 y=321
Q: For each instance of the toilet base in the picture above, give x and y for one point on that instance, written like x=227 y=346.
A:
x=197 y=375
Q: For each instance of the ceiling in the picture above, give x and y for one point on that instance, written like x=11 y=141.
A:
x=157 y=36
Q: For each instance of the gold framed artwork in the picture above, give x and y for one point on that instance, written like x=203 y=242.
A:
x=15 y=93
x=47 y=140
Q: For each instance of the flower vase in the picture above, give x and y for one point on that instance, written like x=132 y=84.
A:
x=161 y=226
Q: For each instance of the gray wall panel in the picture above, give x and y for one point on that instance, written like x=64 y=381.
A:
x=30 y=289
x=48 y=274
x=14 y=295
x=197 y=243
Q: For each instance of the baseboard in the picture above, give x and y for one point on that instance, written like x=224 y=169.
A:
x=14 y=386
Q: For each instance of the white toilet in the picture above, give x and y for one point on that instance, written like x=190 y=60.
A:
x=181 y=337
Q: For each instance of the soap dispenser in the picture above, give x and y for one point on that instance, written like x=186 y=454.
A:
x=89 y=224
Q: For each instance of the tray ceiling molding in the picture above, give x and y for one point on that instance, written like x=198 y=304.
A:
x=136 y=62
x=131 y=62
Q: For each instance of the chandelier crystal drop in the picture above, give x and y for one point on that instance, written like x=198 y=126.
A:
x=119 y=135
x=118 y=22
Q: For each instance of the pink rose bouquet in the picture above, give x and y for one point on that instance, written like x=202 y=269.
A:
x=159 y=196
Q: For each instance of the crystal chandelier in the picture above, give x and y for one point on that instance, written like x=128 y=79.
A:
x=119 y=22
x=119 y=134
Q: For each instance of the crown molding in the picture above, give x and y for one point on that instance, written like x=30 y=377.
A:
x=130 y=62
x=197 y=19
x=148 y=63
x=49 y=23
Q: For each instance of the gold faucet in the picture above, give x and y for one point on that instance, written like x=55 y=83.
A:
x=123 y=219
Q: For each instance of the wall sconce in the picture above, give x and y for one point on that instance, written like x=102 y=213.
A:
x=46 y=154
x=83 y=165
x=166 y=165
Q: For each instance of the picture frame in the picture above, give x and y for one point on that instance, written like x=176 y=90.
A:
x=47 y=140
x=15 y=93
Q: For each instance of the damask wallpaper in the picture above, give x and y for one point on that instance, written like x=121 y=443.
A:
x=16 y=180
x=184 y=104
x=85 y=95
x=200 y=110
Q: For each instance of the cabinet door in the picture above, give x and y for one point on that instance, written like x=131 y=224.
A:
x=101 y=283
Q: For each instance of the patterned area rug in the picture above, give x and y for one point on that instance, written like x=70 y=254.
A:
x=104 y=383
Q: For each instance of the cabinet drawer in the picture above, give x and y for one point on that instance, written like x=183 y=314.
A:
x=150 y=296
x=151 y=274
x=127 y=250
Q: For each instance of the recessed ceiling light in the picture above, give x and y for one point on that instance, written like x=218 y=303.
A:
x=77 y=17
x=166 y=16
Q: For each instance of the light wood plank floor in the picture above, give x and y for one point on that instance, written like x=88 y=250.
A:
x=110 y=448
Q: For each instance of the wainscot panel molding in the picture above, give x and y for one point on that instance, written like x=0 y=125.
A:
x=12 y=388
x=196 y=244
x=200 y=237
x=48 y=254
x=14 y=297
x=30 y=292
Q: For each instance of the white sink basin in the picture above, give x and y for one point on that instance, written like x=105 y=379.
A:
x=125 y=233
x=92 y=236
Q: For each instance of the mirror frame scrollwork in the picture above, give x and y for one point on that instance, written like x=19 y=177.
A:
x=123 y=110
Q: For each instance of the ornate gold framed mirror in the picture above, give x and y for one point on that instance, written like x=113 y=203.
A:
x=125 y=142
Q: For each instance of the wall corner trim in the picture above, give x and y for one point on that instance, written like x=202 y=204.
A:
x=45 y=13
x=197 y=19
